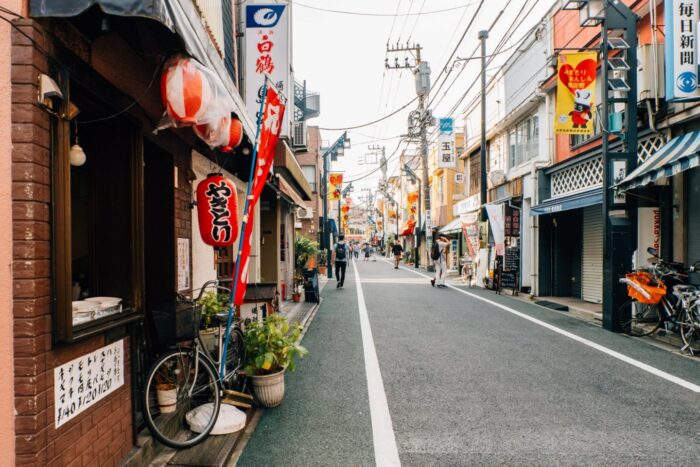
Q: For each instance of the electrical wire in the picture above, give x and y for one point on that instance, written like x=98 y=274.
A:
x=388 y=159
x=359 y=13
x=354 y=127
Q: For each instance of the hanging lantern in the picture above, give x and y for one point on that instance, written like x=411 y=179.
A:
x=185 y=91
x=235 y=135
x=214 y=134
x=217 y=210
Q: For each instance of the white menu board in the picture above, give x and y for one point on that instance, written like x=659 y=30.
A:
x=82 y=382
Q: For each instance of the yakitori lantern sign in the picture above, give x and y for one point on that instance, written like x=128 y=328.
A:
x=186 y=91
x=217 y=210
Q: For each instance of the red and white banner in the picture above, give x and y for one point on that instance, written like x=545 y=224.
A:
x=272 y=122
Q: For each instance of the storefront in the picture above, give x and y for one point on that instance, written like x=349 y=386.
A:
x=102 y=220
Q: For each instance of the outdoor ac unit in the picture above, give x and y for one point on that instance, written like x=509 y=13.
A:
x=498 y=177
x=650 y=74
x=299 y=136
x=305 y=213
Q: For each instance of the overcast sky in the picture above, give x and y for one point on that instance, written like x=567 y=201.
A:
x=341 y=56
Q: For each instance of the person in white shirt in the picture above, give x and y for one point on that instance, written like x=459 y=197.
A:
x=441 y=263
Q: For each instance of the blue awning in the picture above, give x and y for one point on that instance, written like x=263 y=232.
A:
x=567 y=203
x=679 y=154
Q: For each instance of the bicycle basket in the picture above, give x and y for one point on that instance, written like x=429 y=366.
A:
x=644 y=288
x=175 y=322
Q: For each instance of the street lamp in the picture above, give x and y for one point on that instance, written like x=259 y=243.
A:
x=407 y=170
x=336 y=149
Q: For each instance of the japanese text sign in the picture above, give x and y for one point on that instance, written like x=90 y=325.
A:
x=681 y=22
x=267 y=52
x=82 y=382
x=576 y=93
x=446 y=157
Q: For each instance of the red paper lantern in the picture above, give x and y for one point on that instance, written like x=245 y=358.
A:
x=235 y=136
x=185 y=91
x=217 y=210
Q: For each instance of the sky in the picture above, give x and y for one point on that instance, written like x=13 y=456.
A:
x=342 y=56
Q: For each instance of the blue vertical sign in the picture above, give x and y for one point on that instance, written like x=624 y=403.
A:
x=681 y=18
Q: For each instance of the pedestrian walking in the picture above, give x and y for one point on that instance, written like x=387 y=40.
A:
x=341 y=252
x=367 y=251
x=438 y=254
x=397 y=250
x=356 y=250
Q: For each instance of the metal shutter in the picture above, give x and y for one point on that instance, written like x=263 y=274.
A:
x=693 y=223
x=592 y=268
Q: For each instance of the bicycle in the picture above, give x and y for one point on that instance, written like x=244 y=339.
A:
x=651 y=305
x=186 y=378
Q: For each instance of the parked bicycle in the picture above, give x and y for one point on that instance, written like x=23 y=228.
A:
x=187 y=377
x=661 y=295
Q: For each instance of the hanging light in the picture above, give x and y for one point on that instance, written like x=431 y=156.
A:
x=76 y=155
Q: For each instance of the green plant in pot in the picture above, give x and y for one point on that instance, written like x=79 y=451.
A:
x=212 y=303
x=271 y=349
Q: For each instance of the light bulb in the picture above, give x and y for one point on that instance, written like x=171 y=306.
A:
x=76 y=155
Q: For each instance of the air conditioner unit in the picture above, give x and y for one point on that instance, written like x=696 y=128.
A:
x=498 y=177
x=650 y=74
x=305 y=213
x=299 y=137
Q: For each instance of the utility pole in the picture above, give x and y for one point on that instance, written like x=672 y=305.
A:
x=335 y=150
x=483 y=35
x=420 y=118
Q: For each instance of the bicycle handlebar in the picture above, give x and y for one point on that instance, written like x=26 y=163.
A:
x=203 y=288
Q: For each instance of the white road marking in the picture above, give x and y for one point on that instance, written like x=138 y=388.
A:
x=385 y=450
x=394 y=280
x=631 y=361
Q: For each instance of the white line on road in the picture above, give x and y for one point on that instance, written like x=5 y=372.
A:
x=385 y=450
x=631 y=361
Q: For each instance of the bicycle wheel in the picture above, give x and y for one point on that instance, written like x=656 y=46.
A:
x=176 y=384
x=639 y=319
x=235 y=358
x=690 y=328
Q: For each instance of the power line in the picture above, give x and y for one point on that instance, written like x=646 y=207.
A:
x=359 y=13
x=372 y=122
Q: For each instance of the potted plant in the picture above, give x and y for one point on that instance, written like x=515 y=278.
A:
x=298 y=287
x=212 y=303
x=271 y=347
x=323 y=261
x=166 y=392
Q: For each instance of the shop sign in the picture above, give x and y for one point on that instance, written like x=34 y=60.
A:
x=183 y=264
x=619 y=171
x=460 y=177
x=267 y=53
x=470 y=226
x=446 y=144
x=512 y=221
x=576 y=93
x=271 y=124
x=335 y=182
x=428 y=221
x=681 y=22
x=648 y=232
x=467 y=205
x=84 y=381
x=217 y=211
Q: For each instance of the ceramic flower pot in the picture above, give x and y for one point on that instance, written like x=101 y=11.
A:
x=269 y=389
x=167 y=398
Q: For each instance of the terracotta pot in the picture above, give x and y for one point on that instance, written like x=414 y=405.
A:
x=322 y=270
x=296 y=297
x=167 y=398
x=269 y=389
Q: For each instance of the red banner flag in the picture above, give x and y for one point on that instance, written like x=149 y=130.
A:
x=269 y=135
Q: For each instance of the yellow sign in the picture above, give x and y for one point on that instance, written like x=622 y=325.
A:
x=335 y=183
x=576 y=93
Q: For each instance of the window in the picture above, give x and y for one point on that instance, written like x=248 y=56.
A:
x=309 y=172
x=523 y=141
x=474 y=173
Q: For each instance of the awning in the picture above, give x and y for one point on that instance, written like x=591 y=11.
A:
x=679 y=154
x=454 y=226
x=180 y=16
x=566 y=203
x=290 y=193
x=287 y=166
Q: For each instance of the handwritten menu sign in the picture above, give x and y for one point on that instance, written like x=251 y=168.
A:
x=84 y=381
x=512 y=260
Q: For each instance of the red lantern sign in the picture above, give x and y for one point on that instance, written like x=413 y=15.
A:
x=217 y=210
x=185 y=91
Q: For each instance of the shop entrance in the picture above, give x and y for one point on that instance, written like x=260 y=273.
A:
x=159 y=225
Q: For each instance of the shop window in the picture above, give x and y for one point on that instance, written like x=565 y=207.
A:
x=95 y=245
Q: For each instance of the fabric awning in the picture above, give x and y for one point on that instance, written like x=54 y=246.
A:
x=180 y=16
x=679 y=154
x=566 y=203
x=454 y=226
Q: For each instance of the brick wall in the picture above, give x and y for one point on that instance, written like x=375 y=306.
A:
x=102 y=434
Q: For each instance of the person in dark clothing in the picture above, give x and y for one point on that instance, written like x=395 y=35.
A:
x=341 y=252
x=397 y=249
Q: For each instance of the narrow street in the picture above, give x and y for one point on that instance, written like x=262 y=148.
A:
x=473 y=379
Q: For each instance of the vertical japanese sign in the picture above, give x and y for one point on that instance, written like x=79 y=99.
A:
x=681 y=22
x=335 y=182
x=576 y=93
x=273 y=116
x=470 y=226
x=82 y=382
x=446 y=144
x=267 y=53
x=183 y=264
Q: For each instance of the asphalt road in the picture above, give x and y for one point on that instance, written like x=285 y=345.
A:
x=468 y=382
